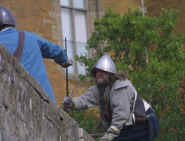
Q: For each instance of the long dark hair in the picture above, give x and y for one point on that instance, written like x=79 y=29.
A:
x=118 y=76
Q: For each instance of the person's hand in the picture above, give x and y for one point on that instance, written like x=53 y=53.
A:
x=68 y=104
x=108 y=137
x=68 y=63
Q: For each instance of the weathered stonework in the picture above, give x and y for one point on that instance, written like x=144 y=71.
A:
x=154 y=8
x=26 y=112
x=120 y=6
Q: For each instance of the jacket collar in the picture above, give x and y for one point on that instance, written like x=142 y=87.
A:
x=7 y=29
x=121 y=84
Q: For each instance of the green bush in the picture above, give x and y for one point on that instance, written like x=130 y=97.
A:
x=153 y=54
x=87 y=121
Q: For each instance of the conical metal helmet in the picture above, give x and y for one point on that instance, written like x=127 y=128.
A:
x=6 y=17
x=105 y=63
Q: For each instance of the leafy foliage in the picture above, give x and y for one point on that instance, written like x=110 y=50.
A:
x=87 y=121
x=153 y=55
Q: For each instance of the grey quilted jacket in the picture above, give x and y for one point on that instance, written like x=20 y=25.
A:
x=115 y=104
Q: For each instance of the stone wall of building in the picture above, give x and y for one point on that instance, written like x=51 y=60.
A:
x=26 y=112
x=154 y=8
x=120 y=6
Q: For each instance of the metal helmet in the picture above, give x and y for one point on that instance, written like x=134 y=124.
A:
x=105 y=63
x=6 y=17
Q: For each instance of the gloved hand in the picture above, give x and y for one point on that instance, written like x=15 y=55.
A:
x=67 y=64
x=68 y=104
x=108 y=137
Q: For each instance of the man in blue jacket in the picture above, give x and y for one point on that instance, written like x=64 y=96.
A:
x=34 y=49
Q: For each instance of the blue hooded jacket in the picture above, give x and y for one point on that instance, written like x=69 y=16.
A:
x=35 y=48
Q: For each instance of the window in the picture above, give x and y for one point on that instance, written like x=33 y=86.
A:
x=74 y=29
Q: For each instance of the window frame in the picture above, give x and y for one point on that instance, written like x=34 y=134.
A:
x=72 y=10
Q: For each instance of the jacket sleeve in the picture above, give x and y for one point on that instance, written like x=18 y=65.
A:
x=52 y=51
x=87 y=99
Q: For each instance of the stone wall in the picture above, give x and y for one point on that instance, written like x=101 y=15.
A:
x=26 y=112
x=120 y=6
x=154 y=8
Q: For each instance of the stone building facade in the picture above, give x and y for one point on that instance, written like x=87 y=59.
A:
x=154 y=8
x=121 y=6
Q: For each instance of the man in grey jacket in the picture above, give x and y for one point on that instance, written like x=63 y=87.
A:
x=115 y=98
